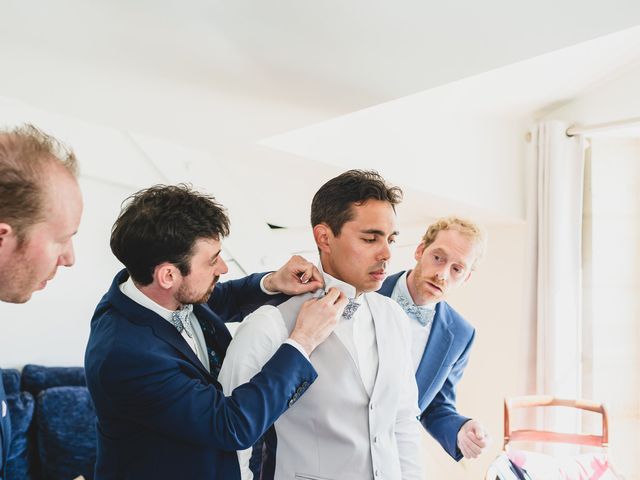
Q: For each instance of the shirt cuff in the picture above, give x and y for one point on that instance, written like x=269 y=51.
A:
x=298 y=347
x=263 y=288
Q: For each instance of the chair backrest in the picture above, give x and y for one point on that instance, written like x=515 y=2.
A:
x=530 y=401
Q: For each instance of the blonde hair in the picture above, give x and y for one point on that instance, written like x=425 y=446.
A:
x=467 y=228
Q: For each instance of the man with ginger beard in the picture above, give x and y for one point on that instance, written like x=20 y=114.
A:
x=441 y=338
x=358 y=421
x=40 y=210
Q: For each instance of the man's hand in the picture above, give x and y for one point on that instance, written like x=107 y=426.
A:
x=317 y=319
x=472 y=439
x=294 y=277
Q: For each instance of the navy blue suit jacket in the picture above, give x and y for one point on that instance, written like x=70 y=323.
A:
x=161 y=415
x=5 y=431
x=443 y=362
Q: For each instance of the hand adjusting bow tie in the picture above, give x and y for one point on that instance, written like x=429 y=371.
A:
x=180 y=320
x=348 y=311
x=422 y=315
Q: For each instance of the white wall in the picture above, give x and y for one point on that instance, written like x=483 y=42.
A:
x=52 y=328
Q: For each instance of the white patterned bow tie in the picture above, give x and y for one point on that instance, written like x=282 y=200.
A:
x=350 y=309
x=180 y=320
x=423 y=315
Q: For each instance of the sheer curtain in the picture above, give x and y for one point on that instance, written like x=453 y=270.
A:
x=554 y=210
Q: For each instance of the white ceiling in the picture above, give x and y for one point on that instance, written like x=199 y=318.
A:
x=464 y=141
x=222 y=76
x=352 y=53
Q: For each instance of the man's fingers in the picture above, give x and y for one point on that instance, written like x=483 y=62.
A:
x=464 y=450
x=477 y=430
x=342 y=300
x=332 y=295
x=479 y=442
x=469 y=452
x=305 y=273
x=472 y=447
x=309 y=276
x=313 y=285
x=315 y=275
x=472 y=439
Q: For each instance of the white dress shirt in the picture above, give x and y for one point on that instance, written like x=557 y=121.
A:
x=197 y=343
x=419 y=333
x=357 y=334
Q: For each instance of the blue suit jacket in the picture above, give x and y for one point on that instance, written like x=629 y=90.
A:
x=5 y=431
x=161 y=415
x=443 y=362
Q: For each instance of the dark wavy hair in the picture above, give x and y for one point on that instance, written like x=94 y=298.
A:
x=333 y=201
x=162 y=224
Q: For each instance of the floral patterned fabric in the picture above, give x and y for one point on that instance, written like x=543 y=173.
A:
x=525 y=465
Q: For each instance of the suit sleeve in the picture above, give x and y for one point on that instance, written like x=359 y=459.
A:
x=256 y=339
x=235 y=299
x=441 y=418
x=5 y=429
x=153 y=391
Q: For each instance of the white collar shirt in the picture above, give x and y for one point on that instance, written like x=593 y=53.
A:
x=419 y=333
x=358 y=334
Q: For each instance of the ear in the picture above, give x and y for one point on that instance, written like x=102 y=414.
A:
x=419 y=251
x=6 y=232
x=166 y=276
x=323 y=236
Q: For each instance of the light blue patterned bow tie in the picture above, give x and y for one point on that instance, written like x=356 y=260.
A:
x=180 y=320
x=422 y=315
x=350 y=309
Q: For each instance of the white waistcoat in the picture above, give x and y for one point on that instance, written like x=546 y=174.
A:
x=335 y=430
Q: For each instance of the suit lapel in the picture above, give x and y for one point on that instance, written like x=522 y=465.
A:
x=435 y=354
x=389 y=284
x=140 y=315
x=167 y=332
x=216 y=333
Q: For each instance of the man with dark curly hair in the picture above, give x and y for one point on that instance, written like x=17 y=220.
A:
x=158 y=340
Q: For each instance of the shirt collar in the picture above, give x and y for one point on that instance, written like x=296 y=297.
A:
x=133 y=292
x=329 y=282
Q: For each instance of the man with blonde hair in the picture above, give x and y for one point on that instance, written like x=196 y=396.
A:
x=40 y=210
x=441 y=338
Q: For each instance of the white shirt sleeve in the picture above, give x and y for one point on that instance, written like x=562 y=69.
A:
x=263 y=288
x=408 y=428
x=256 y=340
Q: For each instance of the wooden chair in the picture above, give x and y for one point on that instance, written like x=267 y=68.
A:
x=556 y=437
x=513 y=464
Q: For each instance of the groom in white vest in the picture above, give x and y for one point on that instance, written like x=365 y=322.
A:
x=358 y=420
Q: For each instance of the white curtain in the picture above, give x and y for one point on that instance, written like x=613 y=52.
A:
x=554 y=211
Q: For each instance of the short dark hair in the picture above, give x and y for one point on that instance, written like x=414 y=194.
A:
x=162 y=224
x=333 y=201
x=26 y=154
